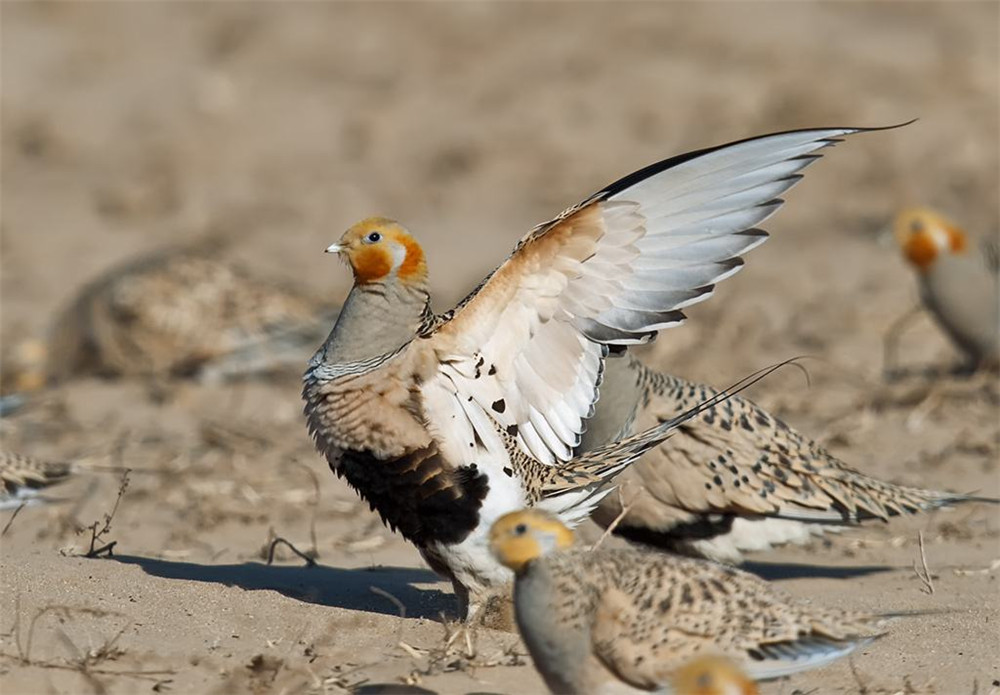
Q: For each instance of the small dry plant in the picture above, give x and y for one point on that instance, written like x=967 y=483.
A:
x=90 y=663
x=98 y=530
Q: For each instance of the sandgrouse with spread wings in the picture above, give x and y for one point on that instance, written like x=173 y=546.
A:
x=444 y=423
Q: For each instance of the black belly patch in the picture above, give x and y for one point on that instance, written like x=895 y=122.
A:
x=417 y=496
x=674 y=538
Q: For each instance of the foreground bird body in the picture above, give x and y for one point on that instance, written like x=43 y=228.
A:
x=630 y=620
x=959 y=281
x=732 y=479
x=24 y=478
x=382 y=423
x=444 y=423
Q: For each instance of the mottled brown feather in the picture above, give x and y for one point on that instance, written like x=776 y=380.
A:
x=20 y=473
x=175 y=311
x=735 y=459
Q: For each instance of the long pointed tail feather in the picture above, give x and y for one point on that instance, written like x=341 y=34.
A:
x=601 y=464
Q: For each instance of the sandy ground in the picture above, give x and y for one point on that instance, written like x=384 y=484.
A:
x=127 y=127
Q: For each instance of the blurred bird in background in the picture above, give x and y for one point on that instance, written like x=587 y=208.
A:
x=181 y=312
x=959 y=282
x=24 y=478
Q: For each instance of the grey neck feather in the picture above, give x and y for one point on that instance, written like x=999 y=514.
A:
x=542 y=631
x=377 y=319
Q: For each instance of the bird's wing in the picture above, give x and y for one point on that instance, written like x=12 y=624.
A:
x=647 y=667
x=780 y=659
x=673 y=611
x=526 y=349
x=638 y=662
x=735 y=458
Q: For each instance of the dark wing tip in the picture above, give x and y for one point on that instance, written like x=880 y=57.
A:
x=874 y=129
x=851 y=130
x=657 y=167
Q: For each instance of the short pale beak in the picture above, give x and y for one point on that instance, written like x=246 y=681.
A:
x=334 y=248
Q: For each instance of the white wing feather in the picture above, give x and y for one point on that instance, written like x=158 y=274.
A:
x=527 y=349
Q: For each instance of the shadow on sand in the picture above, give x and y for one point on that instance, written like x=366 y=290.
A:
x=776 y=571
x=327 y=586
x=352 y=588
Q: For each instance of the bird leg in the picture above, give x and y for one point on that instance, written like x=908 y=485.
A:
x=891 y=339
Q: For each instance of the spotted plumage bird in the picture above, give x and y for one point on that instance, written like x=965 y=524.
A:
x=959 y=281
x=627 y=620
x=444 y=423
x=733 y=479
x=25 y=478
x=179 y=312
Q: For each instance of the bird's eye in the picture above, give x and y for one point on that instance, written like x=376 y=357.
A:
x=521 y=529
x=916 y=227
x=373 y=237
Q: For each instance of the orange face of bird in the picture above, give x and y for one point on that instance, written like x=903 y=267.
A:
x=923 y=235
x=379 y=249
x=518 y=538
x=712 y=675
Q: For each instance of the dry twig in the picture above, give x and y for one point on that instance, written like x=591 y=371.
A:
x=626 y=508
x=310 y=562
x=395 y=601
x=925 y=575
x=12 y=517
x=314 y=552
x=862 y=686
